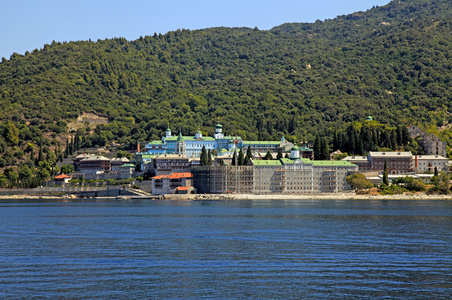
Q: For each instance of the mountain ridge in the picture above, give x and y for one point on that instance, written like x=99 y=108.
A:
x=297 y=79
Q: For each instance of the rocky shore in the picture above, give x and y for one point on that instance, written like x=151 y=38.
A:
x=232 y=197
x=319 y=196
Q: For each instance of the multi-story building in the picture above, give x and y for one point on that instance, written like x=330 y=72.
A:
x=269 y=176
x=433 y=145
x=167 y=184
x=169 y=163
x=116 y=163
x=362 y=162
x=223 y=179
x=94 y=164
x=192 y=145
x=424 y=163
x=292 y=175
x=397 y=162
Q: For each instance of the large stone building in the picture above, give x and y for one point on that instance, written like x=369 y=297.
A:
x=433 y=145
x=191 y=146
x=223 y=179
x=167 y=184
x=397 y=162
x=428 y=163
x=293 y=175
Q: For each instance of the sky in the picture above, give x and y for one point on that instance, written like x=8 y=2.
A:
x=26 y=25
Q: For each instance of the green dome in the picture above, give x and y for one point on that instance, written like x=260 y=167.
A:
x=295 y=148
x=218 y=126
x=369 y=118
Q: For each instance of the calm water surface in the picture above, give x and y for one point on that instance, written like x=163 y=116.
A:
x=230 y=250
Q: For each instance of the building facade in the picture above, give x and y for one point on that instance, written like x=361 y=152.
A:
x=167 y=184
x=191 y=146
x=433 y=145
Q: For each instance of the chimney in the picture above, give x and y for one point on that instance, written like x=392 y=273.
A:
x=138 y=147
x=416 y=163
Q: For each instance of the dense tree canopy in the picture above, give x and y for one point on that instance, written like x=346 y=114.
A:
x=299 y=79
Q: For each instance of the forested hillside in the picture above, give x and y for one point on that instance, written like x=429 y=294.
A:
x=298 y=79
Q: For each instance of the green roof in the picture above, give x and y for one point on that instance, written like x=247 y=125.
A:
x=267 y=163
x=218 y=126
x=287 y=161
x=332 y=163
x=295 y=148
x=261 y=142
x=147 y=155
x=190 y=138
x=156 y=143
x=127 y=165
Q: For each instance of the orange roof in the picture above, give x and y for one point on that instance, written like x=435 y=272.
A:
x=174 y=176
x=160 y=177
x=183 y=188
x=180 y=175
x=62 y=176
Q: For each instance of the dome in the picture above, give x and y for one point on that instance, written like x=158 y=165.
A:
x=369 y=118
x=295 y=148
x=218 y=126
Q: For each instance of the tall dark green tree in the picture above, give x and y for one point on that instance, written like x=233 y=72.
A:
x=234 y=158
x=203 y=157
x=317 y=148
x=385 y=174
x=268 y=156
x=241 y=158
x=248 y=155
x=209 y=158
x=324 y=150
x=280 y=155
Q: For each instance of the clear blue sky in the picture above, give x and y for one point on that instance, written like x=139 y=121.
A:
x=29 y=24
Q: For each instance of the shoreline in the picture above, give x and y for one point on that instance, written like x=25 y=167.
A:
x=236 y=197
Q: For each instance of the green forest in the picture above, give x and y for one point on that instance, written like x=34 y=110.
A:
x=303 y=80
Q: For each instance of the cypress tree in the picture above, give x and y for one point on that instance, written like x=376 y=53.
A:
x=436 y=172
x=279 y=156
x=209 y=158
x=335 y=141
x=385 y=174
x=203 y=157
x=340 y=141
x=41 y=154
x=361 y=147
x=325 y=152
x=241 y=158
x=71 y=146
x=234 y=158
x=268 y=156
x=249 y=155
x=287 y=155
x=317 y=148
x=394 y=140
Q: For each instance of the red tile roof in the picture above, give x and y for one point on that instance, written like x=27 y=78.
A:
x=160 y=177
x=183 y=188
x=62 y=176
x=174 y=176
x=181 y=175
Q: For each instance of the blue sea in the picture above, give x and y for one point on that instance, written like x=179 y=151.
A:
x=318 y=249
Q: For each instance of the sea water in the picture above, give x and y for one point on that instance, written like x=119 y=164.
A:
x=110 y=249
